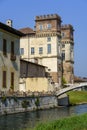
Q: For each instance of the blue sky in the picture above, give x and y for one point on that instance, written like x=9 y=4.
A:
x=23 y=13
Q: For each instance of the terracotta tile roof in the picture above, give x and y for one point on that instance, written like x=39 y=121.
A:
x=29 y=62
x=10 y=29
x=79 y=79
x=27 y=30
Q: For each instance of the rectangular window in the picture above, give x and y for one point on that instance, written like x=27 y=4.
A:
x=12 y=80
x=41 y=27
x=63 y=45
x=63 y=34
x=59 y=48
x=40 y=50
x=32 y=51
x=4 y=79
x=4 y=47
x=48 y=48
x=13 y=56
x=49 y=26
x=63 y=55
x=48 y=39
x=21 y=51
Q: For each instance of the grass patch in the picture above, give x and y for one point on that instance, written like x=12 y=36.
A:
x=77 y=97
x=70 y=123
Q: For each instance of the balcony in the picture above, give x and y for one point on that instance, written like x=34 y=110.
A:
x=13 y=57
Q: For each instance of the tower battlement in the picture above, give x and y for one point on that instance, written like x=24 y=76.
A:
x=67 y=26
x=48 y=16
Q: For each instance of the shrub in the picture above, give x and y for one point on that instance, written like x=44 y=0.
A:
x=15 y=98
x=37 y=102
x=25 y=103
x=3 y=99
x=64 y=81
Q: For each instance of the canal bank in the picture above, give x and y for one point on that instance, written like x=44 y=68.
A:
x=28 y=120
x=70 y=123
x=17 y=104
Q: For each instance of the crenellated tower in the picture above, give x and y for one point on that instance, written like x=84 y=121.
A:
x=48 y=23
x=67 y=40
x=48 y=33
x=50 y=45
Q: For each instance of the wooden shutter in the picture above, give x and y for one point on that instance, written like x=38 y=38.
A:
x=12 y=79
x=4 y=79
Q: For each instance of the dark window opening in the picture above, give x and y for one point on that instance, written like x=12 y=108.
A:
x=4 y=79
x=12 y=80
x=13 y=57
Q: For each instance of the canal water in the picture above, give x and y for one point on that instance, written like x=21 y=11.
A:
x=22 y=121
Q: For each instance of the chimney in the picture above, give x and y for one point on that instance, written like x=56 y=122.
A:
x=9 y=23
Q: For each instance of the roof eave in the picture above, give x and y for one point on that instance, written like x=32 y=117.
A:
x=11 y=30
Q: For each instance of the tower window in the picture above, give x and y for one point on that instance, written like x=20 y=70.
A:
x=32 y=50
x=48 y=39
x=49 y=48
x=63 y=55
x=49 y=26
x=63 y=34
x=40 y=50
x=63 y=45
x=41 y=27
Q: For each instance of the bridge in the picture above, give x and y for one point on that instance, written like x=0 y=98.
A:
x=70 y=88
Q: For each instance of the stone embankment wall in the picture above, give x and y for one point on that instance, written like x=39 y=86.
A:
x=17 y=104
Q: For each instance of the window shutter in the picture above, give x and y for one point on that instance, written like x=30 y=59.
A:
x=12 y=79
x=4 y=79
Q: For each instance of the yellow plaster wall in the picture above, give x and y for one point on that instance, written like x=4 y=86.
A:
x=37 y=84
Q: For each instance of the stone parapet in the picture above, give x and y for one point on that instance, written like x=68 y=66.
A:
x=67 y=26
x=11 y=105
x=49 y=16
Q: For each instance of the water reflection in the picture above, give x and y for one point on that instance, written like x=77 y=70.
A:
x=30 y=119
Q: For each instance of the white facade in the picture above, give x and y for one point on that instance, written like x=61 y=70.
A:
x=43 y=57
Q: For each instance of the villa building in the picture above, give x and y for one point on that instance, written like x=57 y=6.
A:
x=9 y=57
x=45 y=46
